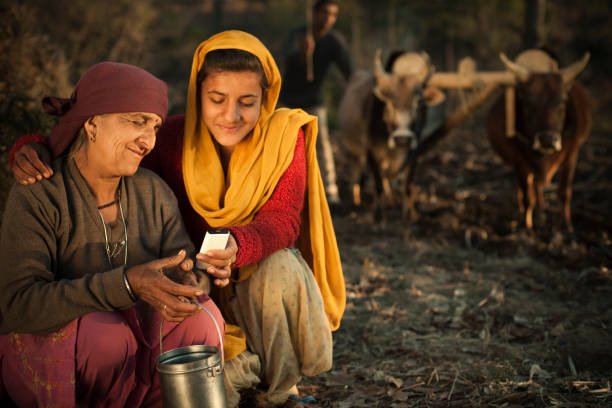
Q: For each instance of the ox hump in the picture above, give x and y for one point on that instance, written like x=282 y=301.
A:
x=411 y=64
x=537 y=61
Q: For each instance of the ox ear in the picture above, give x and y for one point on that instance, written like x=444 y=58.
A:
x=433 y=96
x=521 y=73
x=425 y=56
x=571 y=72
x=380 y=94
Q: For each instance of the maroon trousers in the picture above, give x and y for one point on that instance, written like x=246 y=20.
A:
x=113 y=358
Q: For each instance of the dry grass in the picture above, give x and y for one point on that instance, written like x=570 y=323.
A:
x=465 y=308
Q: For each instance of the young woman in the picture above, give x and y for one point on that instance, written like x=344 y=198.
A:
x=235 y=162
x=83 y=293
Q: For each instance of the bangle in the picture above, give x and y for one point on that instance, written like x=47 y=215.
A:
x=128 y=287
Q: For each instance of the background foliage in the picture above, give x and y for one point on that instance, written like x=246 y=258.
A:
x=46 y=46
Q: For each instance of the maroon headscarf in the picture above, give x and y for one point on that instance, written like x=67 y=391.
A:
x=107 y=87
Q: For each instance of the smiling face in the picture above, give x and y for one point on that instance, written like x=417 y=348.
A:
x=121 y=141
x=230 y=106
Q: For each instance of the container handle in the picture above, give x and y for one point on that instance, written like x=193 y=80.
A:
x=201 y=306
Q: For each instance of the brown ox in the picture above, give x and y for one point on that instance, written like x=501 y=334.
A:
x=381 y=118
x=553 y=119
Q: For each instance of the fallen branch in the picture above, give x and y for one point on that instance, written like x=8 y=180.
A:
x=431 y=376
x=572 y=367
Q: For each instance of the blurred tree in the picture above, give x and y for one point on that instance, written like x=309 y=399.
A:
x=45 y=46
x=92 y=31
x=30 y=66
x=535 y=30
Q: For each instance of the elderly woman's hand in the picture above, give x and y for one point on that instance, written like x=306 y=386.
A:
x=150 y=284
x=182 y=273
x=220 y=261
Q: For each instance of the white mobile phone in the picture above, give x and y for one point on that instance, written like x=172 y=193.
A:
x=214 y=239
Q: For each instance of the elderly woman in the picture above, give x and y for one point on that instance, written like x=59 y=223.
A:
x=96 y=257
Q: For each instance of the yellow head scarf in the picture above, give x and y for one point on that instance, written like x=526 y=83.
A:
x=256 y=165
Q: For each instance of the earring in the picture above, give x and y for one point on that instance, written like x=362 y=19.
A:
x=92 y=136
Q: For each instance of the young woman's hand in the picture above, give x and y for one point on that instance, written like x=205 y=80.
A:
x=220 y=261
x=31 y=163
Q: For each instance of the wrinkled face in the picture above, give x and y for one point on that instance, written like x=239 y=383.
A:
x=121 y=141
x=542 y=101
x=401 y=111
x=231 y=104
x=325 y=17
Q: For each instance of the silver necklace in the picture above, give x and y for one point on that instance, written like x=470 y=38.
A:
x=121 y=244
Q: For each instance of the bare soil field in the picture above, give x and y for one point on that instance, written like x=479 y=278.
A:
x=464 y=307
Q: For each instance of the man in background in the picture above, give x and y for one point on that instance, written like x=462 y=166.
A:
x=309 y=53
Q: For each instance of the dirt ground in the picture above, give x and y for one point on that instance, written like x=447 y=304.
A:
x=464 y=307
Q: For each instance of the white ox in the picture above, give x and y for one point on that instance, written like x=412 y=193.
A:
x=381 y=120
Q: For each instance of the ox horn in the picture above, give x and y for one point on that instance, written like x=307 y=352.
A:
x=520 y=71
x=382 y=78
x=379 y=71
x=572 y=71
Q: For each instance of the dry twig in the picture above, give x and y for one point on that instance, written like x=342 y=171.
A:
x=453 y=386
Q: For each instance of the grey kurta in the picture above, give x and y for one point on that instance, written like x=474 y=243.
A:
x=52 y=247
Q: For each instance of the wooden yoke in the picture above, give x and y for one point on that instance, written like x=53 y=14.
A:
x=468 y=77
x=510 y=118
x=454 y=80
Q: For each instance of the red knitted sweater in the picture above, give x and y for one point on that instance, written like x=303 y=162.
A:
x=275 y=226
